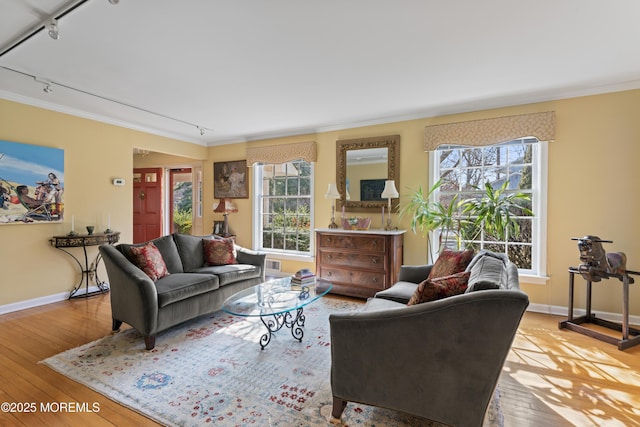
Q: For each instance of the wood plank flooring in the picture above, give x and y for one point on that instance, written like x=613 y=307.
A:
x=552 y=377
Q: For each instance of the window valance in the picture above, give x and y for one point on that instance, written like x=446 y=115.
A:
x=282 y=153
x=491 y=131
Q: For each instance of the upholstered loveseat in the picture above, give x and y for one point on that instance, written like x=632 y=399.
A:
x=193 y=277
x=440 y=359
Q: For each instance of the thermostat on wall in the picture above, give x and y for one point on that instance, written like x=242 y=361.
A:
x=118 y=181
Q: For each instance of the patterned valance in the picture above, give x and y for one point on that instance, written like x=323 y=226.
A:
x=282 y=153
x=491 y=131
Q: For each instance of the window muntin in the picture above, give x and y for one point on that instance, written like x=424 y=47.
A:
x=465 y=170
x=283 y=214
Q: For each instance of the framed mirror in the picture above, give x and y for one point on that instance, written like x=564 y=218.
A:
x=363 y=166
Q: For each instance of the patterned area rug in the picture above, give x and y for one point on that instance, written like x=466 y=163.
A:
x=211 y=370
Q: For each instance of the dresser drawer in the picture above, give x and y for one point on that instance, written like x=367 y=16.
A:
x=355 y=259
x=364 y=242
x=363 y=279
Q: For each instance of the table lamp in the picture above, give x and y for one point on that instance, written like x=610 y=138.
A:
x=332 y=193
x=389 y=193
x=225 y=207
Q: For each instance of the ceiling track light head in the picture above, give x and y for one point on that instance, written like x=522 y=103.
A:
x=201 y=130
x=52 y=29
x=114 y=1
x=47 y=86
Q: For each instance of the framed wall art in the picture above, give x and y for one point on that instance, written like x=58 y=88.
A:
x=31 y=183
x=230 y=180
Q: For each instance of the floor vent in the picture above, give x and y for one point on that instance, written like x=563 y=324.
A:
x=273 y=265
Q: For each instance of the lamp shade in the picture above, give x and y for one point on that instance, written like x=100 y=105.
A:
x=225 y=206
x=390 y=191
x=332 y=192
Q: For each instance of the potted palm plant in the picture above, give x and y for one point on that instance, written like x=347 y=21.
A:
x=429 y=215
x=495 y=212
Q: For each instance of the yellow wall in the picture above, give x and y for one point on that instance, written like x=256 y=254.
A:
x=593 y=182
x=94 y=154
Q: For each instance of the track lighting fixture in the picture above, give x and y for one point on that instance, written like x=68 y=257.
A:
x=114 y=1
x=46 y=84
x=52 y=28
x=201 y=130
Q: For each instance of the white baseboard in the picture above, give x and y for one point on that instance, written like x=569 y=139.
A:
x=36 y=302
x=564 y=312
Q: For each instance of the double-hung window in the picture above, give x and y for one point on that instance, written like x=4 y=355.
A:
x=283 y=207
x=521 y=163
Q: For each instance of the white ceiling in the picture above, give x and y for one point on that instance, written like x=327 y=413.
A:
x=253 y=69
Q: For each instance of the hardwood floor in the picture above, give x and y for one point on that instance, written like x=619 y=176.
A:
x=552 y=377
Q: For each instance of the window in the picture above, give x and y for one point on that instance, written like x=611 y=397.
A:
x=521 y=164
x=283 y=206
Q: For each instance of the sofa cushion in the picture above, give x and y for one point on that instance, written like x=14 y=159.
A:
x=149 y=259
x=190 y=250
x=440 y=287
x=180 y=286
x=231 y=273
x=219 y=251
x=399 y=292
x=451 y=262
x=378 y=304
x=167 y=248
x=489 y=271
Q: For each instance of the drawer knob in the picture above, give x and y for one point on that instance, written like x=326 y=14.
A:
x=375 y=280
x=374 y=260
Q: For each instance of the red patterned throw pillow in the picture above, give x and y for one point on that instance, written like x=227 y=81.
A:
x=149 y=259
x=440 y=287
x=451 y=262
x=219 y=251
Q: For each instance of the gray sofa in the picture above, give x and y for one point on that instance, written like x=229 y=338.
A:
x=190 y=290
x=439 y=360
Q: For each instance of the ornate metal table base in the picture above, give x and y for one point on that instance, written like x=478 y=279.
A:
x=278 y=321
x=88 y=271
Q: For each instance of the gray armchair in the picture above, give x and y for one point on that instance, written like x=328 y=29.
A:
x=439 y=360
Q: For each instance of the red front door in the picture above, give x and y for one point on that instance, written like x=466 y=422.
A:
x=147 y=204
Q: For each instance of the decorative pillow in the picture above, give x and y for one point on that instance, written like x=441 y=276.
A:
x=440 y=287
x=219 y=251
x=451 y=262
x=149 y=259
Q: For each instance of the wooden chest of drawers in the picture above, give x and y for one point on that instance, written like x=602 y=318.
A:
x=359 y=263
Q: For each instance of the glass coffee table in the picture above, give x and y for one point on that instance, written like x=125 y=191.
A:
x=274 y=302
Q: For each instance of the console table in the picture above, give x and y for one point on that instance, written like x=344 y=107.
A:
x=359 y=263
x=88 y=270
x=630 y=336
